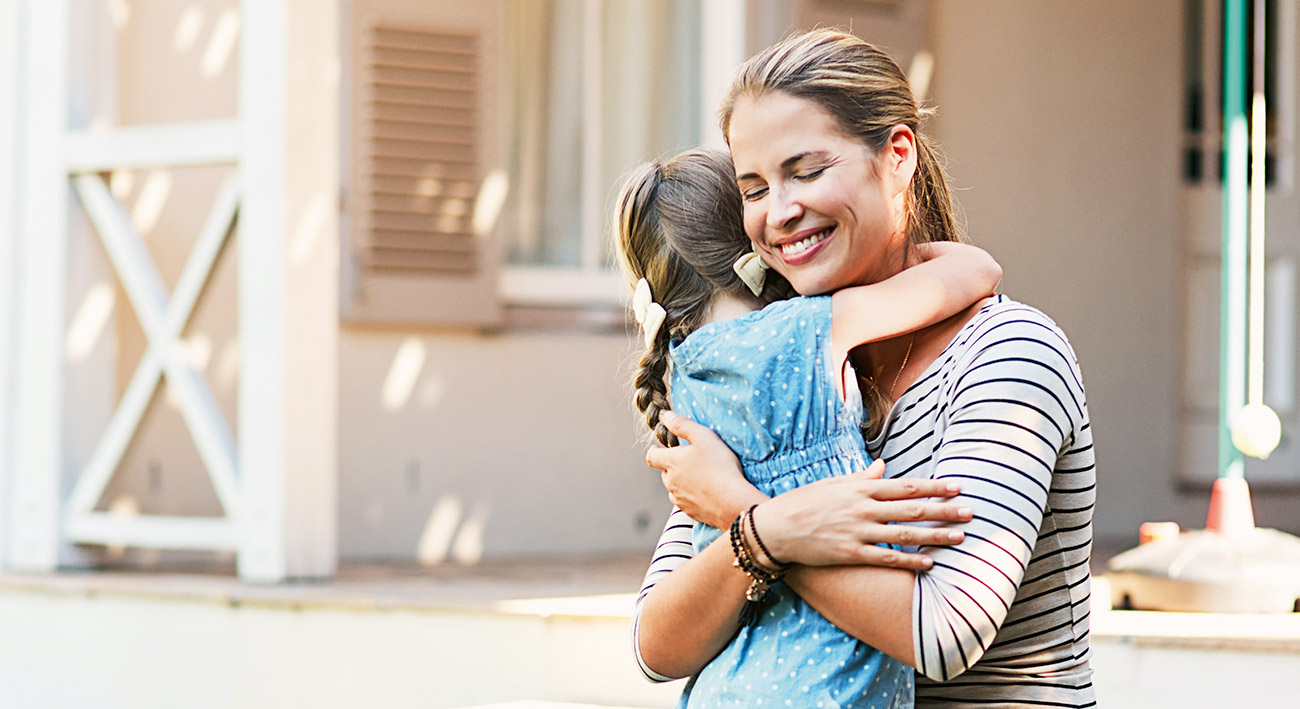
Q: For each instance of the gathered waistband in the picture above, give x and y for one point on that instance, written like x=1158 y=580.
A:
x=845 y=445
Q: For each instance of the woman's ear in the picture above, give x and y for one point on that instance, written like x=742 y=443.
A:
x=900 y=158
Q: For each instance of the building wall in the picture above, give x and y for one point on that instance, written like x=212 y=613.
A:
x=519 y=443
x=451 y=445
x=1061 y=122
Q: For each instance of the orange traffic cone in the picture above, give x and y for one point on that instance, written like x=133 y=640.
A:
x=1230 y=508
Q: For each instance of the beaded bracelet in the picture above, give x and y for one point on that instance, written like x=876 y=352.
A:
x=761 y=576
x=781 y=568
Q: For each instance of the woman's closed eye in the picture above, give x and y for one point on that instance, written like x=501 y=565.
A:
x=754 y=193
x=810 y=175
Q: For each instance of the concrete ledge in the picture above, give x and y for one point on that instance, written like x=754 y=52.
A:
x=372 y=638
x=545 y=634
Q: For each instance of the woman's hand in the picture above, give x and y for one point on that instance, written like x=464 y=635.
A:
x=841 y=520
x=703 y=479
x=835 y=521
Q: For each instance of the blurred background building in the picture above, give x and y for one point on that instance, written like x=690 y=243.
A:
x=286 y=284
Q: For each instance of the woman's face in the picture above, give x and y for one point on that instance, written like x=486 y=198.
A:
x=819 y=206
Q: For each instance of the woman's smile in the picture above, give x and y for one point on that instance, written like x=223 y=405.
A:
x=805 y=245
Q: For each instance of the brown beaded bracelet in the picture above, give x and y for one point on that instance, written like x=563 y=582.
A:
x=761 y=576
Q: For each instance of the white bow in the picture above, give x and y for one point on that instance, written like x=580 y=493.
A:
x=752 y=269
x=648 y=313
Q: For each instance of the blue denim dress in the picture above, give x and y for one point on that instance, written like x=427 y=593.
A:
x=765 y=383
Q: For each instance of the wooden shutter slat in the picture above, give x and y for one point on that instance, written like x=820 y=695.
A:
x=403 y=115
x=449 y=64
x=422 y=79
x=401 y=166
x=402 y=260
x=436 y=98
x=394 y=186
x=420 y=204
x=455 y=77
x=441 y=243
x=430 y=136
x=420 y=40
x=418 y=223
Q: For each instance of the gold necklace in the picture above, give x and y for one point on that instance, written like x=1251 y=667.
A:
x=872 y=378
x=902 y=366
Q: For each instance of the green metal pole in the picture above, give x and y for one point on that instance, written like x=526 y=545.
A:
x=1232 y=304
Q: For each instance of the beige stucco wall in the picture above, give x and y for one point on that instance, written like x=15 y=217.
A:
x=523 y=443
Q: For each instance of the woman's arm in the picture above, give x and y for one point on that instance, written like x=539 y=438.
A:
x=951 y=277
x=685 y=617
x=689 y=607
x=1015 y=408
x=705 y=481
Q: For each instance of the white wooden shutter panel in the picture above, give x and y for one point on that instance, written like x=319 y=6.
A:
x=425 y=136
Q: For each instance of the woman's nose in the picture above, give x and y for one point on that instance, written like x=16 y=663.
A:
x=782 y=211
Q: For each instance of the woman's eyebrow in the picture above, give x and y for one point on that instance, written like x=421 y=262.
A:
x=785 y=164
x=796 y=159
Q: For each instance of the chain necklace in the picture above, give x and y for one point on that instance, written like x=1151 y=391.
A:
x=902 y=366
x=898 y=375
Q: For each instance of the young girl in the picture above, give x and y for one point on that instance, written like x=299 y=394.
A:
x=771 y=377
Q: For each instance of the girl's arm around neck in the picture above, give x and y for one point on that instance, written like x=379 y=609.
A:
x=951 y=277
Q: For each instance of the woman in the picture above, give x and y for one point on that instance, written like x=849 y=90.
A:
x=837 y=182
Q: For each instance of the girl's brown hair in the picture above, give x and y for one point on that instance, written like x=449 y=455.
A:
x=679 y=226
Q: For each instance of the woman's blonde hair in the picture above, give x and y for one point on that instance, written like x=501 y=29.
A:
x=867 y=94
x=679 y=226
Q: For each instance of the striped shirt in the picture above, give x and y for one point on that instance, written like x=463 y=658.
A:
x=1002 y=618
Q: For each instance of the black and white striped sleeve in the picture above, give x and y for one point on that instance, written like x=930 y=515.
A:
x=675 y=548
x=1014 y=400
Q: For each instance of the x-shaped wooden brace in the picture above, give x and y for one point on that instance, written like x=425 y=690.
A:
x=163 y=321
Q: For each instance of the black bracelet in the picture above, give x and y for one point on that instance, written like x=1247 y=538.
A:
x=780 y=567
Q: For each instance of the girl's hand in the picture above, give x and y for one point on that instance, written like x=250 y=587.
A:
x=841 y=520
x=704 y=478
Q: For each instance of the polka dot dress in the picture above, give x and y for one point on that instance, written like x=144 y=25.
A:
x=765 y=383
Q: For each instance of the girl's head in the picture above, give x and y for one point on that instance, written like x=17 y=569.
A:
x=837 y=175
x=679 y=227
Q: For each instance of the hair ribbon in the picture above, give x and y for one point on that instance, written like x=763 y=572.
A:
x=648 y=313
x=752 y=270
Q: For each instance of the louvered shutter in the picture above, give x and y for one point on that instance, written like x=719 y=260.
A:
x=426 y=138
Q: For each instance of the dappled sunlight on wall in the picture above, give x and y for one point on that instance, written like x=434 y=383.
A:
x=187 y=29
x=491 y=198
x=309 y=230
x=121 y=10
x=450 y=532
x=149 y=202
x=408 y=361
x=177 y=59
x=221 y=44
x=123 y=508
x=89 y=321
x=491 y=446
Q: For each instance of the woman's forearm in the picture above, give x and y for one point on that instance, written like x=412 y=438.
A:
x=871 y=603
x=692 y=613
